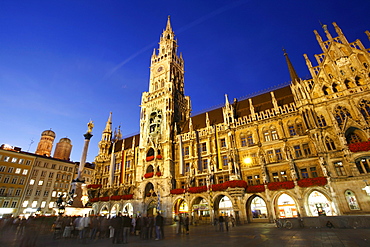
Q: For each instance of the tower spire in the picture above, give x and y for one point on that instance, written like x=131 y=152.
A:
x=168 y=26
x=293 y=74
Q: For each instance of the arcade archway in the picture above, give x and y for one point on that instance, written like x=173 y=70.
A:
x=286 y=207
x=257 y=211
x=128 y=209
x=320 y=205
x=201 y=211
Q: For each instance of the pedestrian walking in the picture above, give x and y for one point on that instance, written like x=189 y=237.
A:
x=186 y=224
x=159 y=226
x=221 y=223
x=126 y=221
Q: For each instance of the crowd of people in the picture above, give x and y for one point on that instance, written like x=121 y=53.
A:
x=222 y=223
x=118 y=227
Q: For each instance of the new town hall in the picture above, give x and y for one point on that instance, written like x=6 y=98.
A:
x=302 y=149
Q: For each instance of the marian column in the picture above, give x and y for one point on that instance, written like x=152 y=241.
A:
x=87 y=136
x=79 y=191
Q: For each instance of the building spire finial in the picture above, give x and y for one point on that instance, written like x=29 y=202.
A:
x=293 y=74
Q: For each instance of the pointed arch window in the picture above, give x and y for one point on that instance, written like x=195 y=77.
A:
x=321 y=121
x=365 y=109
x=335 y=87
x=325 y=90
x=340 y=114
x=351 y=200
x=358 y=80
x=330 y=145
x=353 y=138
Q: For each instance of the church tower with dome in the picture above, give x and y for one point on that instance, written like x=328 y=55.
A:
x=46 y=143
x=63 y=149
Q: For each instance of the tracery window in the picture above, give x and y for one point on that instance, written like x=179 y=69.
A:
x=365 y=109
x=330 y=145
x=339 y=168
x=340 y=114
x=321 y=121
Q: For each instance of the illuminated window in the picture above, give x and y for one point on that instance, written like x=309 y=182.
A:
x=267 y=136
x=20 y=161
x=32 y=181
x=51 y=204
x=274 y=135
x=43 y=204
x=34 y=204
x=25 y=204
x=18 y=170
x=54 y=194
x=40 y=182
x=14 y=160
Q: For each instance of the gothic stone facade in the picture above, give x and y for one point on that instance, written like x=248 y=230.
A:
x=301 y=149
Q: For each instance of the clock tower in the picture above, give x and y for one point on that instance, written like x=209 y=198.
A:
x=164 y=110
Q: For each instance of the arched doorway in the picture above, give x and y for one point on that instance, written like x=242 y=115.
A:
x=286 y=207
x=152 y=208
x=104 y=210
x=180 y=207
x=128 y=209
x=114 y=211
x=225 y=206
x=201 y=211
x=320 y=205
x=258 y=210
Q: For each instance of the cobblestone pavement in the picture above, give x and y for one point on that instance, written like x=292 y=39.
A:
x=257 y=234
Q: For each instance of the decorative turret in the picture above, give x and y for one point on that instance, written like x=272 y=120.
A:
x=228 y=112
x=106 y=139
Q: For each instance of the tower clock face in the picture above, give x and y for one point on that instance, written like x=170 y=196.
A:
x=160 y=68
x=155 y=120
